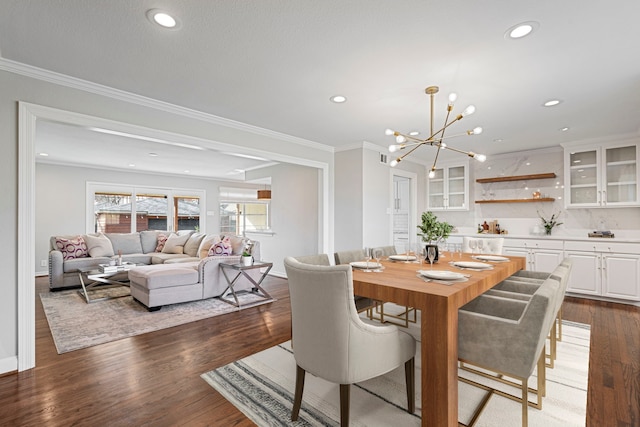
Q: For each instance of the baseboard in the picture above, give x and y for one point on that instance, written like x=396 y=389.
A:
x=9 y=365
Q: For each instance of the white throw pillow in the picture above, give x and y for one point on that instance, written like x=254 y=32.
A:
x=175 y=244
x=192 y=245
x=98 y=245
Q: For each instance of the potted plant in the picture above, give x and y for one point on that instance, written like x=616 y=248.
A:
x=433 y=231
x=247 y=258
x=548 y=224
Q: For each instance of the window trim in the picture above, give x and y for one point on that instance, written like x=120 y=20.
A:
x=170 y=193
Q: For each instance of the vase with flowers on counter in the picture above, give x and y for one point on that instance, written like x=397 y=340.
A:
x=550 y=223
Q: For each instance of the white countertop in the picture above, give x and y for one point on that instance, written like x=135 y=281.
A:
x=553 y=237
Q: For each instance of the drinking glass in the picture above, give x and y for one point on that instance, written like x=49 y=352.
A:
x=377 y=254
x=407 y=252
x=459 y=250
x=367 y=257
x=480 y=245
x=472 y=245
x=420 y=253
x=431 y=253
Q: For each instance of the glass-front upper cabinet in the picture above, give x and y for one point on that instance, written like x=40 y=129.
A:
x=603 y=175
x=448 y=189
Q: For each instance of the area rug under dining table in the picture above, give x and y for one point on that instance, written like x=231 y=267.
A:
x=75 y=324
x=261 y=386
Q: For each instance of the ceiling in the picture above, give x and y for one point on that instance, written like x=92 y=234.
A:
x=275 y=64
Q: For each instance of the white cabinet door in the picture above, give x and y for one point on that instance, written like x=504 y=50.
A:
x=621 y=276
x=513 y=251
x=546 y=259
x=448 y=189
x=602 y=175
x=586 y=274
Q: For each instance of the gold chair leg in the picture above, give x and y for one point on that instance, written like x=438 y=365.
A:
x=525 y=405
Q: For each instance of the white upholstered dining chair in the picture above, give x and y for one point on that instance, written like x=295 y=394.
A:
x=330 y=341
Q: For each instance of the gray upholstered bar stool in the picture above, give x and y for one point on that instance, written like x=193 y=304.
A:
x=526 y=283
x=507 y=336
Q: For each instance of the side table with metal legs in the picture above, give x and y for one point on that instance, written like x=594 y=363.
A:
x=242 y=271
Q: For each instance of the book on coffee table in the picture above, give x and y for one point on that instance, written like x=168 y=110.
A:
x=107 y=268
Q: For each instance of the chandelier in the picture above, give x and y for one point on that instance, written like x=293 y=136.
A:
x=436 y=138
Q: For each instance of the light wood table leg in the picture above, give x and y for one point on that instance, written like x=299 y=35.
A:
x=439 y=363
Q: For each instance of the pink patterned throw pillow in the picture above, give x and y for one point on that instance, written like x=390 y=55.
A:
x=221 y=248
x=162 y=239
x=72 y=248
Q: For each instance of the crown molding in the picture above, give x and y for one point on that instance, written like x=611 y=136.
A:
x=120 y=95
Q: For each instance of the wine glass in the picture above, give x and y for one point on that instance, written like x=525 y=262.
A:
x=420 y=253
x=473 y=243
x=431 y=253
x=407 y=252
x=480 y=245
x=367 y=257
x=377 y=254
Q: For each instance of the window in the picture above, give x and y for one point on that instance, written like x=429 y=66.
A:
x=114 y=206
x=241 y=212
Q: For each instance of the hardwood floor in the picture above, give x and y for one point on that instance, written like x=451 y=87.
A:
x=154 y=379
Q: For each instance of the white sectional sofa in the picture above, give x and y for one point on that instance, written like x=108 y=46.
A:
x=139 y=248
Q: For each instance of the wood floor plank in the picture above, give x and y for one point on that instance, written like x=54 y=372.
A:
x=154 y=379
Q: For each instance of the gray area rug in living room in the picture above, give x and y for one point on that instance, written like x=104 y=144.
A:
x=75 y=324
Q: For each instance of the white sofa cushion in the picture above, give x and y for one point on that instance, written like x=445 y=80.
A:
x=99 y=245
x=175 y=244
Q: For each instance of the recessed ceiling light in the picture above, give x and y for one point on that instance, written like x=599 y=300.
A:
x=132 y=165
x=414 y=133
x=564 y=129
x=187 y=171
x=528 y=163
x=498 y=140
x=153 y=154
x=43 y=154
x=552 y=103
x=521 y=30
x=338 y=99
x=162 y=18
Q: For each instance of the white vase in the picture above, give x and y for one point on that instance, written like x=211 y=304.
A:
x=247 y=260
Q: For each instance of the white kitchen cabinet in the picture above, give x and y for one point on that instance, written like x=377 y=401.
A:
x=602 y=175
x=541 y=255
x=604 y=269
x=448 y=189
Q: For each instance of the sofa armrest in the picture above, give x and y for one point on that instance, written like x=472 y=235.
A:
x=56 y=269
x=211 y=276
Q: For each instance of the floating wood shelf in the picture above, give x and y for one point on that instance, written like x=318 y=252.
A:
x=517 y=178
x=543 y=199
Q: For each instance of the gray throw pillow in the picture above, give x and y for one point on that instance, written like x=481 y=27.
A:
x=98 y=245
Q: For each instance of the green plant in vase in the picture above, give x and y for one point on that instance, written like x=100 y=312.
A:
x=548 y=224
x=433 y=231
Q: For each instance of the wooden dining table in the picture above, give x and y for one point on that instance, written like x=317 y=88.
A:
x=438 y=303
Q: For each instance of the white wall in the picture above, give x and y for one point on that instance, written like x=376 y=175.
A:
x=295 y=219
x=348 y=200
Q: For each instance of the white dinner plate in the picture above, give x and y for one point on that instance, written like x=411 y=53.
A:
x=441 y=274
x=471 y=264
x=363 y=264
x=493 y=258
x=402 y=257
